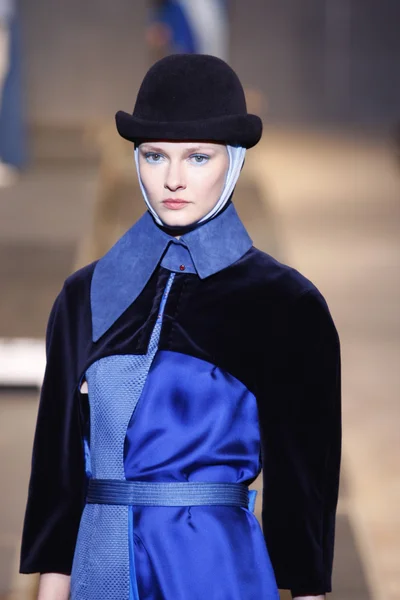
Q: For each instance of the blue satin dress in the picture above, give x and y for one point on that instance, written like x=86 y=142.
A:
x=170 y=417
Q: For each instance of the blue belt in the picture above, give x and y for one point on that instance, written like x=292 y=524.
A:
x=151 y=493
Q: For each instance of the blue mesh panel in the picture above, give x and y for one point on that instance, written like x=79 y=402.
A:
x=115 y=384
x=80 y=571
x=101 y=567
x=101 y=564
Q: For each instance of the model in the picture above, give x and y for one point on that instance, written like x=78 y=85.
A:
x=205 y=360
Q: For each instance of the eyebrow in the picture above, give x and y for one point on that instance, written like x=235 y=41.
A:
x=152 y=147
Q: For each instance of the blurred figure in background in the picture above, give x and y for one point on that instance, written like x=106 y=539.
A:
x=186 y=26
x=5 y=17
x=6 y=11
x=11 y=135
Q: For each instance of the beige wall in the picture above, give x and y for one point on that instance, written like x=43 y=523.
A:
x=320 y=60
x=314 y=60
x=82 y=58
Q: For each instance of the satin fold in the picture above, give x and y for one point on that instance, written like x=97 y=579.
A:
x=194 y=422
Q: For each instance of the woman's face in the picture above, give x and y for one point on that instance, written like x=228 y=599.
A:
x=183 y=180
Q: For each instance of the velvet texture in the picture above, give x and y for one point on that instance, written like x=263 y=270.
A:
x=191 y=97
x=132 y=260
x=260 y=321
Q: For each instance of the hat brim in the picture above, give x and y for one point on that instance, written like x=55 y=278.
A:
x=244 y=130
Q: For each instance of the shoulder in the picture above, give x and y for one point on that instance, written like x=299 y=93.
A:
x=69 y=325
x=298 y=298
x=80 y=279
x=281 y=281
x=76 y=288
x=73 y=299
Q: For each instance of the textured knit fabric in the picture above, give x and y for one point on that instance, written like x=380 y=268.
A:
x=101 y=565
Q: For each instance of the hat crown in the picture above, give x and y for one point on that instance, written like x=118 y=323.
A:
x=189 y=87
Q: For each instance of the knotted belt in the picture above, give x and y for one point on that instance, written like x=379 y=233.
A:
x=158 y=493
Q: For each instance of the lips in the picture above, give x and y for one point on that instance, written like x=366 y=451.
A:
x=175 y=203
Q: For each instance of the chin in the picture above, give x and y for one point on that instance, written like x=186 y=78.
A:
x=178 y=218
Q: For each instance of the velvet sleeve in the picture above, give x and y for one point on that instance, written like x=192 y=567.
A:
x=57 y=483
x=301 y=448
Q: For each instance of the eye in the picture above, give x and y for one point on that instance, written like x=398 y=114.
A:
x=199 y=159
x=153 y=157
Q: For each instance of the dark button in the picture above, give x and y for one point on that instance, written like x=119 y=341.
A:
x=182 y=268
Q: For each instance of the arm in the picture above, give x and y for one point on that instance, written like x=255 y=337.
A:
x=306 y=597
x=57 y=483
x=301 y=447
x=54 y=586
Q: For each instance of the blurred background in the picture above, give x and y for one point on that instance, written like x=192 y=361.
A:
x=320 y=192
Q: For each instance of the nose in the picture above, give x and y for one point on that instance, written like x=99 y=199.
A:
x=175 y=177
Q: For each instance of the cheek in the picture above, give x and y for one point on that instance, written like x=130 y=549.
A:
x=221 y=178
x=151 y=178
x=210 y=182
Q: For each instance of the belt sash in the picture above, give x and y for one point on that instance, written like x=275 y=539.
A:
x=159 y=493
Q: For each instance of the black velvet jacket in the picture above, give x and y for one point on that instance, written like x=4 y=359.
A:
x=261 y=321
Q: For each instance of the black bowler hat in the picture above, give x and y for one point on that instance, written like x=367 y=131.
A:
x=191 y=97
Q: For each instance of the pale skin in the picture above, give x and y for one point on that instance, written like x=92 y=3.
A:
x=195 y=173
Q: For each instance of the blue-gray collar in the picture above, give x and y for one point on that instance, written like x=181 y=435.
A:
x=120 y=276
